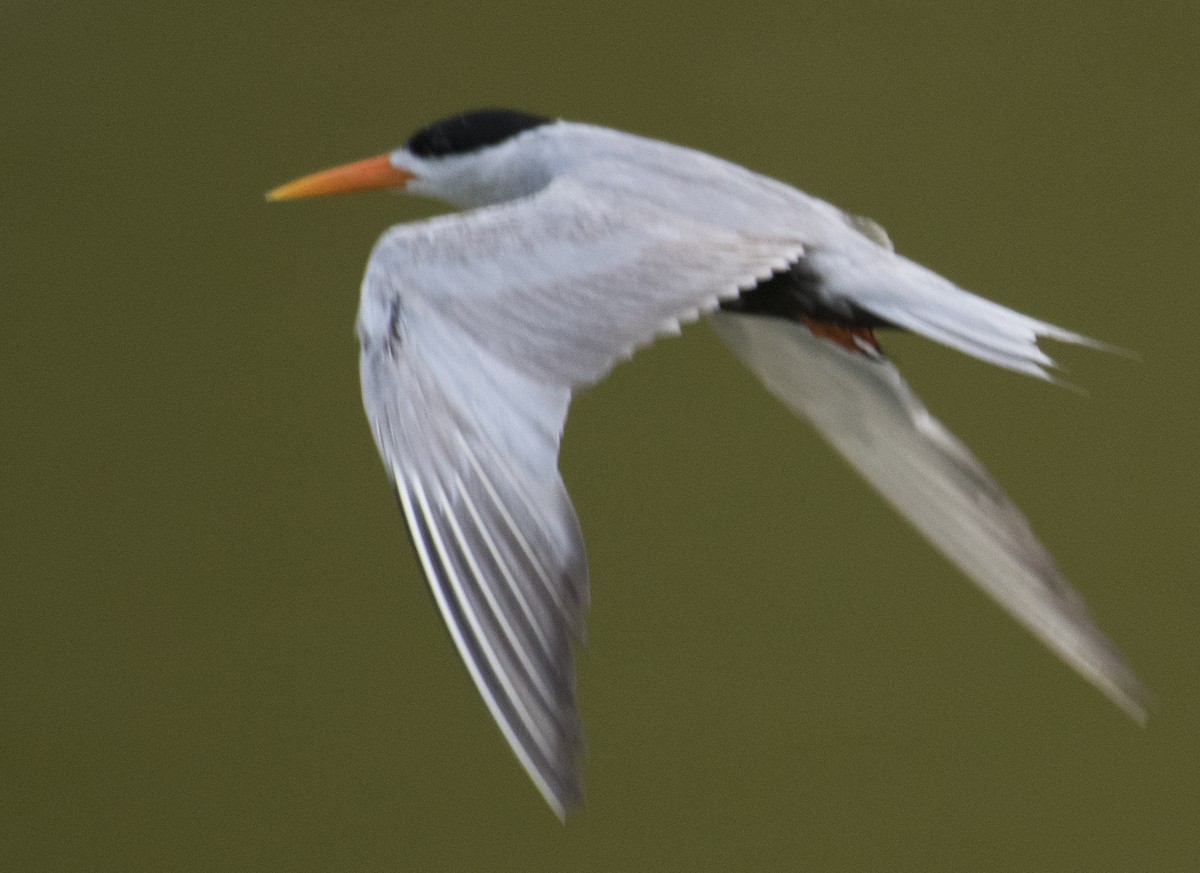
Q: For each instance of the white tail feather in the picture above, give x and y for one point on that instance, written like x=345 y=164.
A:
x=905 y=294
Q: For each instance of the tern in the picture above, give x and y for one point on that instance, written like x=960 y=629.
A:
x=581 y=244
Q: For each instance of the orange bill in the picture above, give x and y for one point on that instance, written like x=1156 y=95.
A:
x=366 y=175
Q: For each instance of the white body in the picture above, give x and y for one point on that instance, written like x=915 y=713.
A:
x=477 y=327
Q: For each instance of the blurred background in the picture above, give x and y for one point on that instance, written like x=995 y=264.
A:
x=216 y=651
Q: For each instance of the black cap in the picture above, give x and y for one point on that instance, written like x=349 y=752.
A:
x=471 y=131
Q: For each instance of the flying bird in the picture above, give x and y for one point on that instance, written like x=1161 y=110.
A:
x=580 y=245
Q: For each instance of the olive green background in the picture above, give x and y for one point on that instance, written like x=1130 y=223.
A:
x=216 y=652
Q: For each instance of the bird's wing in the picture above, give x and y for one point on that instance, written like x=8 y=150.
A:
x=475 y=328
x=566 y=282
x=494 y=531
x=860 y=403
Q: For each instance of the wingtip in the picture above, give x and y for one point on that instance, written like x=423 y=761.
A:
x=563 y=799
x=1098 y=661
x=1135 y=700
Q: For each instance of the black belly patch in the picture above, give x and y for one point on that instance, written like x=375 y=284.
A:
x=794 y=295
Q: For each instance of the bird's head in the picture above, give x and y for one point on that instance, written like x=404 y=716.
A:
x=473 y=159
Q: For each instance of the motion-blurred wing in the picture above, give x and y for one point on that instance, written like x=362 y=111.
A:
x=475 y=328
x=859 y=402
